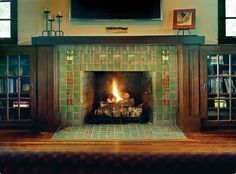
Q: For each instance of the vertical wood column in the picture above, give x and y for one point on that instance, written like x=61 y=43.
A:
x=188 y=117
x=47 y=78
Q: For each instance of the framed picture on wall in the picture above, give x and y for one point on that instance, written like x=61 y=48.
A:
x=184 y=19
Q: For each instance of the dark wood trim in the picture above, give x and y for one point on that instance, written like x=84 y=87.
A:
x=170 y=40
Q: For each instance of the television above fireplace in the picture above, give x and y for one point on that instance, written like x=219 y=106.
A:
x=122 y=9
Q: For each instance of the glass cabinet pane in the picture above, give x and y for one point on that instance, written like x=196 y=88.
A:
x=25 y=87
x=13 y=109
x=233 y=86
x=212 y=86
x=234 y=109
x=24 y=109
x=13 y=87
x=212 y=64
x=233 y=65
x=224 y=111
x=3 y=66
x=3 y=87
x=3 y=110
x=24 y=65
x=224 y=65
x=212 y=61
x=13 y=65
x=212 y=109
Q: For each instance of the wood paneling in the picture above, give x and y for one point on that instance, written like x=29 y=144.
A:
x=188 y=118
x=47 y=95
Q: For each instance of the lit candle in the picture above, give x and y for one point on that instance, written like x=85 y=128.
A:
x=59 y=13
x=51 y=17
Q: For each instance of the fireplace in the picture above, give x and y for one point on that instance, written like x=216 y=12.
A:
x=118 y=97
x=145 y=74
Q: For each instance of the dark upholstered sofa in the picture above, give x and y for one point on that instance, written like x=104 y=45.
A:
x=14 y=162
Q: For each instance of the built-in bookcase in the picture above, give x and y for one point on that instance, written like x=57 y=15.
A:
x=219 y=84
x=17 y=76
x=15 y=87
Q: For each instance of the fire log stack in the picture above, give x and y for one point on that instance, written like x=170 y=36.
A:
x=123 y=108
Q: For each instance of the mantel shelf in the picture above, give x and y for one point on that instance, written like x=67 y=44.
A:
x=170 y=40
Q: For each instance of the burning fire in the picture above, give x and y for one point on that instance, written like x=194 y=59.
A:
x=115 y=91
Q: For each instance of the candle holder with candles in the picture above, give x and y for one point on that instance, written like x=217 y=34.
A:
x=51 y=20
x=46 y=31
x=59 y=32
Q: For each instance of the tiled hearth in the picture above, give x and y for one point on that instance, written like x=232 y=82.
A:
x=159 y=61
x=132 y=131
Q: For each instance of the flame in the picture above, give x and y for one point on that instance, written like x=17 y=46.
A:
x=115 y=91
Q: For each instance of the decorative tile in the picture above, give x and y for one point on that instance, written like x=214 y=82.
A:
x=95 y=57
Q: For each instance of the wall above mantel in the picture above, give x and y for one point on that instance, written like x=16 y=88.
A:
x=165 y=39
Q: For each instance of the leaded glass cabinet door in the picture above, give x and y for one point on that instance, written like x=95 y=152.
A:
x=16 y=85
x=219 y=87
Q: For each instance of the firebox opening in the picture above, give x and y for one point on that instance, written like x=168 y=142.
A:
x=118 y=97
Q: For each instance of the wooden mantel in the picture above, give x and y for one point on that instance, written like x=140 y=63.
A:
x=162 y=39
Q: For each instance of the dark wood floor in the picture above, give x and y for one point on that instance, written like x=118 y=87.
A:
x=216 y=142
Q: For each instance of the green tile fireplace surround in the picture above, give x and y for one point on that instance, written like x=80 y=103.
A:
x=160 y=61
x=170 y=61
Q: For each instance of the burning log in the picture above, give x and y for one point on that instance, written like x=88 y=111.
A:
x=123 y=108
x=121 y=103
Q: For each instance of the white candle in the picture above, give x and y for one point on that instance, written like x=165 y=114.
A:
x=51 y=17
x=59 y=13
x=46 y=9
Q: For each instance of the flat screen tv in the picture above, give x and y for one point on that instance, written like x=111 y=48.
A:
x=110 y=9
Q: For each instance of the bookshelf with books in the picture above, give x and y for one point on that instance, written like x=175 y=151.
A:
x=219 y=78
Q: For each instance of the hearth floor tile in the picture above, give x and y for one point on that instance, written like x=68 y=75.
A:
x=119 y=132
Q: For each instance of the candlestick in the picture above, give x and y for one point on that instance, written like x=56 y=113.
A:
x=59 y=32
x=46 y=31
x=51 y=20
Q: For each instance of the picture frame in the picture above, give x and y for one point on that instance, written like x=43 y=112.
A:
x=184 y=19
